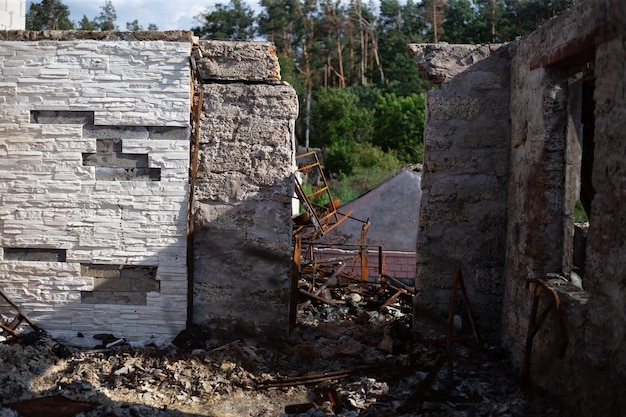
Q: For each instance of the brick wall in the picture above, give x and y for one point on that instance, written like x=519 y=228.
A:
x=396 y=264
x=400 y=265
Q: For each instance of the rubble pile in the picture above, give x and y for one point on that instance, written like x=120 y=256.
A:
x=358 y=357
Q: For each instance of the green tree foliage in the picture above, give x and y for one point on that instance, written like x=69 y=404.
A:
x=434 y=15
x=349 y=63
x=461 y=24
x=338 y=117
x=285 y=23
x=399 y=125
x=232 y=21
x=48 y=15
x=134 y=25
x=107 y=17
x=503 y=20
x=523 y=16
x=368 y=166
x=345 y=126
x=86 y=24
x=398 y=25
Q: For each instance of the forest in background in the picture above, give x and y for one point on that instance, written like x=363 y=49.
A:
x=361 y=95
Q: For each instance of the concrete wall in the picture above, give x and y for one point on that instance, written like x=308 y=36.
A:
x=463 y=207
x=566 y=115
x=547 y=67
x=83 y=249
x=242 y=196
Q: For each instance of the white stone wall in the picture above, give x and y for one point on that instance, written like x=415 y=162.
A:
x=12 y=14
x=49 y=199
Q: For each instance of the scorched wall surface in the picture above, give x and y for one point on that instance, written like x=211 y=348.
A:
x=243 y=192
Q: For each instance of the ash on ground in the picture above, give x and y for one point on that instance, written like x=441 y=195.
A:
x=354 y=356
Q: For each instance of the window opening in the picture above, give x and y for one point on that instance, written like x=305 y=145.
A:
x=579 y=157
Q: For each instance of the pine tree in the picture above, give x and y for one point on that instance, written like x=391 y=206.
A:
x=48 y=15
x=107 y=17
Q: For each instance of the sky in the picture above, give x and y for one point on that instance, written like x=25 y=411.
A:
x=166 y=14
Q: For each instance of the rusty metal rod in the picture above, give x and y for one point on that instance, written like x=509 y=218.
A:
x=330 y=279
x=398 y=284
x=394 y=297
x=450 y=324
x=468 y=307
x=534 y=323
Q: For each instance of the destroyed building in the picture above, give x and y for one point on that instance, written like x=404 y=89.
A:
x=515 y=135
x=147 y=183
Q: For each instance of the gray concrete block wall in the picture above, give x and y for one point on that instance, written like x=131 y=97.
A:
x=237 y=61
x=544 y=138
x=243 y=195
x=589 y=378
x=463 y=206
x=49 y=199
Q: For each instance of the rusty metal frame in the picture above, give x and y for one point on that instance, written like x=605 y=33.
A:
x=457 y=282
x=9 y=327
x=323 y=217
x=197 y=102
x=354 y=261
x=535 y=321
x=319 y=217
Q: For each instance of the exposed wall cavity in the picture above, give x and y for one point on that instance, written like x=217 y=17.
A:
x=119 y=284
x=35 y=254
